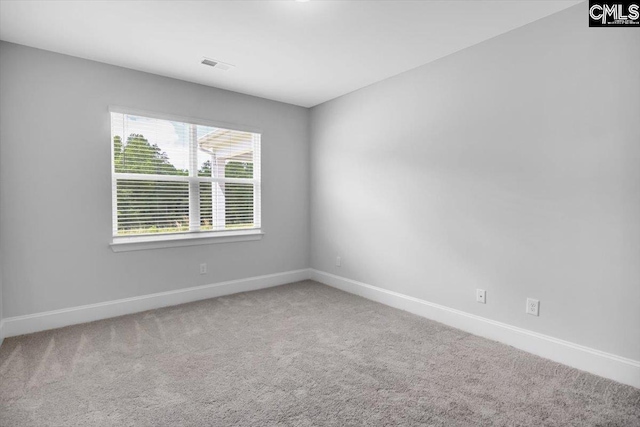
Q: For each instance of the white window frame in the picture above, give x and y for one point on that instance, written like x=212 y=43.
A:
x=194 y=236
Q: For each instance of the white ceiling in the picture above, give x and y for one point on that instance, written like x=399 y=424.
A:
x=300 y=53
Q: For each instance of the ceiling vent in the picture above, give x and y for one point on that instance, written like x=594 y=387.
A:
x=218 y=65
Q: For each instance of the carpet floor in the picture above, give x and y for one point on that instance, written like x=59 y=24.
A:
x=302 y=354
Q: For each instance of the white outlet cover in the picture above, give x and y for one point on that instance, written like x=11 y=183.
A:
x=481 y=296
x=203 y=268
x=338 y=261
x=533 y=307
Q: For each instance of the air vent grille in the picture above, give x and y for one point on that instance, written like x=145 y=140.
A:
x=216 y=64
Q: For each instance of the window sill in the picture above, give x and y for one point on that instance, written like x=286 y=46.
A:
x=138 y=243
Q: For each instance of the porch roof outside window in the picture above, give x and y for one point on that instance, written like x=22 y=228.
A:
x=226 y=144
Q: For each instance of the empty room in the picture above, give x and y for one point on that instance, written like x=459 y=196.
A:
x=320 y=213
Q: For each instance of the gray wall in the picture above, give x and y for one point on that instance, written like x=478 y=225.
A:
x=55 y=183
x=511 y=166
x=1 y=316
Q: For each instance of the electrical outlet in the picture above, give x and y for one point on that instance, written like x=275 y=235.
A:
x=338 y=261
x=533 y=307
x=203 y=268
x=481 y=296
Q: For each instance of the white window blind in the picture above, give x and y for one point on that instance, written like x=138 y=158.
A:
x=177 y=177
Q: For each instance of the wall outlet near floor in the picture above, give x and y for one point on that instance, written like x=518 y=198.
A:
x=533 y=307
x=481 y=296
x=203 y=268
x=338 y=261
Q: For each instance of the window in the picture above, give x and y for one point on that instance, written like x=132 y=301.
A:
x=181 y=178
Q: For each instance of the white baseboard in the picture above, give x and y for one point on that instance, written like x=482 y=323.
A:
x=19 y=325
x=598 y=362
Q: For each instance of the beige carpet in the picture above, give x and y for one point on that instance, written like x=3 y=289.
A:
x=296 y=355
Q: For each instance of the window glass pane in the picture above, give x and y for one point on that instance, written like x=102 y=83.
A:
x=219 y=147
x=226 y=206
x=150 y=146
x=147 y=207
x=239 y=205
x=206 y=207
